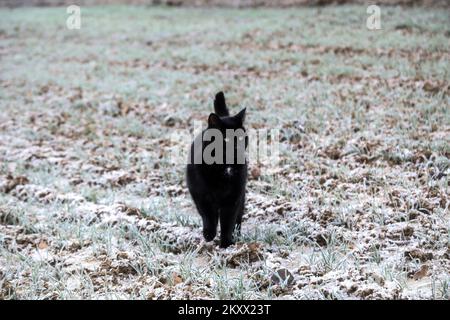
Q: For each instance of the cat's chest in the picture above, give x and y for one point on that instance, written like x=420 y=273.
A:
x=224 y=176
x=228 y=172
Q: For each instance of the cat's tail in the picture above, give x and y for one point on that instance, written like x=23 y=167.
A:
x=220 y=107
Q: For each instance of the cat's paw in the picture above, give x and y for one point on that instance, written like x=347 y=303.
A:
x=226 y=243
x=209 y=235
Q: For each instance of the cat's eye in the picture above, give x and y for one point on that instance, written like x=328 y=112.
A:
x=226 y=140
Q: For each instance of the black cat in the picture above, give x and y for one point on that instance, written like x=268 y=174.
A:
x=218 y=189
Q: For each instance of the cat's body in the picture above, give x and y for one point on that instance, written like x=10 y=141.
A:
x=218 y=190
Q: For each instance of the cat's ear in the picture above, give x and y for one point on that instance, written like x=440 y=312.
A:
x=241 y=116
x=214 y=121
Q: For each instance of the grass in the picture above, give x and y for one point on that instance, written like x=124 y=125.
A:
x=103 y=213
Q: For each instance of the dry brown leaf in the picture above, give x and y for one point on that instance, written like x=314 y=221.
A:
x=176 y=278
x=423 y=272
x=255 y=173
x=43 y=244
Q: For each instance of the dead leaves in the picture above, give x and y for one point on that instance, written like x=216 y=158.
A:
x=434 y=87
x=400 y=233
x=255 y=173
x=13 y=182
x=321 y=240
x=122 y=265
x=8 y=217
x=282 y=276
x=418 y=254
x=131 y=211
x=243 y=254
x=408 y=232
x=333 y=152
x=176 y=278
x=6 y=288
x=120 y=178
x=42 y=244
x=422 y=273
x=76 y=245
x=171 y=121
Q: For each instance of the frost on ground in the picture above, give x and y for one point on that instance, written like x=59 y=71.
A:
x=90 y=206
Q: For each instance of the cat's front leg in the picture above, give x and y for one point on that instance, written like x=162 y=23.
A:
x=228 y=216
x=210 y=226
x=240 y=213
x=210 y=219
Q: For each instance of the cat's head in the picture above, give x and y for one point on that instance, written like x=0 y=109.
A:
x=232 y=128
x=228 y=122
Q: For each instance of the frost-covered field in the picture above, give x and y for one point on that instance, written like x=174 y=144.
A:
x=91 y=207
